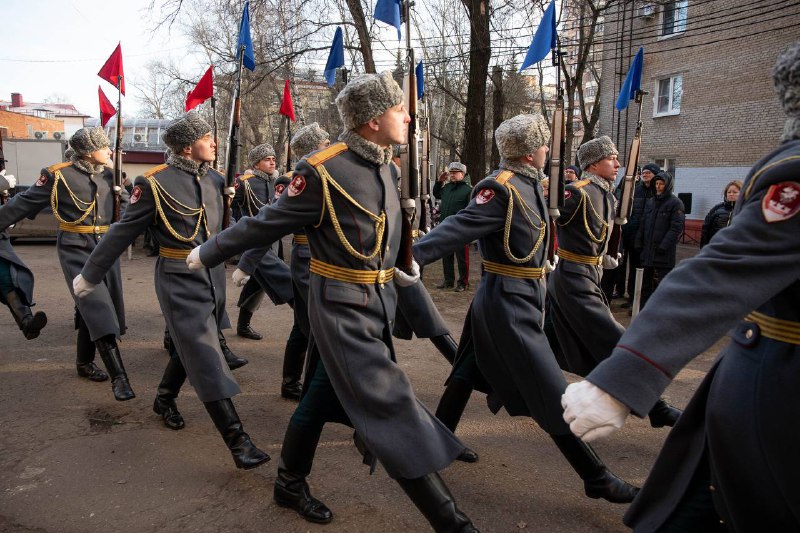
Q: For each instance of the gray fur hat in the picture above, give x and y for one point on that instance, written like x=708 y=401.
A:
x=307 y=139
x=786 y=75
x=367 y=96
x=521 y=135
x=88 y=140
x=185 y=130
x=455 y=165
x=595 y=150
x=260 y=152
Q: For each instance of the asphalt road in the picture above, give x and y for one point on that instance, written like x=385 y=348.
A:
x=74 y=460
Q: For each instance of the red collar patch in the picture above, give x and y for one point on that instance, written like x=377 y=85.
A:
x=297 y=186
x=279 y=190
x=781 y=202
x=136 y=193
x=483 y=196
x=41 y=181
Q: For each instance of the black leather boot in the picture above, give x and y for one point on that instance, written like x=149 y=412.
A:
x=663 y=414
x=446 y=346
x=433 y=499
x=109 y=353
x=294 y=357
x=450 y=409
x=164 y=404
x=243 y=328
x=84 y=360
x=598 y=481
x=245 y=454
x=233 y=360
x=291 y=488
x=28 y=323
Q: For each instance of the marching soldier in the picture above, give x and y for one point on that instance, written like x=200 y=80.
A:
x=508 y=217
x=586 y=330
x=182 y=202
x=346 y=198
x=732 y=454
x=81 y=193
x=16 y=279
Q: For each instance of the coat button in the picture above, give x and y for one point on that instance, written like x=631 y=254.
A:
x=749 y=334
x=712 y=488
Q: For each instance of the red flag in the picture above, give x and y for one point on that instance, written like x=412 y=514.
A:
x=287 y=107
x=202 y=91
x=107 y=109
x=112 y=69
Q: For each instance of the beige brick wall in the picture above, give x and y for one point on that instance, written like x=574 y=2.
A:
x=16 y=125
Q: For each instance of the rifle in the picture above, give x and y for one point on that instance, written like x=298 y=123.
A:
x=288 y=144
x=425 y=168
x=118 y=156
x=214 y=129
x=4 y=194
x=555 y=172
x=628 y=183
x=409 y=185
x=232 y=150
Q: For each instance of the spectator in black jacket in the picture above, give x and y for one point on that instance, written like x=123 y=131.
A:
x=630 y=254
x=720 y=214
x=657 y=237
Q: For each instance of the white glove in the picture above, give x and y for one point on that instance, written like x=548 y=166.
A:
x=240 y=277
x=406 y=280
x=193 y=259
x=611 y=262
x=229 y=191
x=591 y=412
x=81 y=287
x=12 y=181
x=549 y=266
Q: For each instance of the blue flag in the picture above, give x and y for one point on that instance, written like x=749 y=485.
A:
x=335 y=57
x=245 y=40
x=633 y=81
x=544 y=40
x=420 y=70
x=388 y=11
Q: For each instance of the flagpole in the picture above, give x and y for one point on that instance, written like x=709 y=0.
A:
x=288 y=144
x=232 y=149
x=118 y=154
x=216 y=137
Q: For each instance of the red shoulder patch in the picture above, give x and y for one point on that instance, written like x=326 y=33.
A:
x=297 y=186
x=41 y=181
x=279 y=190
x=567 y=195
x=136 y=193
x=483 y=196
x=237 y=183
x=781 y=202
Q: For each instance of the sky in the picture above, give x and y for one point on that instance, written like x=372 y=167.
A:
x=56 y=47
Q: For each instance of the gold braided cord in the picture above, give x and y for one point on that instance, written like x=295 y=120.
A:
x=582 y=206
x=159 y=194
x=251 y=198
x=514 y=193
x=327 y=204
x=54 y=202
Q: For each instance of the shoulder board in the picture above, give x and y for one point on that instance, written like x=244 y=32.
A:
x=288 y=174
x=59 y=166
x=328 y=153
x=503 y=177
x=245 y=177
x=155 y=170
x=580 y=184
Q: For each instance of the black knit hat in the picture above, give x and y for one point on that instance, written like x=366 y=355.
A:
x=652 y=167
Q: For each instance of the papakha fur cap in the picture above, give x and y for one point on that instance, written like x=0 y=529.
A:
x=260 y=152
x=786 y=75
x=185 y=130
x=307 y=139
x=521 y=135
x=595 y=150
x=367 y=96
x=455 y=165
x=88 y=140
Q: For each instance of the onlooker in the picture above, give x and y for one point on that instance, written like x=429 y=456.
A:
x=720 y=214
x=572 y=173
x=454 y=196
x=658 y=234
x=630 y=254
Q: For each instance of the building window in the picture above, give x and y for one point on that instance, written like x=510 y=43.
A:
x=666 y=164
x=668 y=96
x=674 y=20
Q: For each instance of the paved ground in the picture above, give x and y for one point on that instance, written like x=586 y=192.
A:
x=74 y=460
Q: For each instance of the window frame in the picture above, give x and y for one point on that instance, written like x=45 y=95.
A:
x=671 y=111
x=677 y=5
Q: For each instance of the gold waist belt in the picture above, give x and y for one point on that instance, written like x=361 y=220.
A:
x=174 y=253
x=513 y=271
x=415 y=233
x=578 y=258
x=776 y=328
x=300 y=238
x=350 y=275
x=70 y=228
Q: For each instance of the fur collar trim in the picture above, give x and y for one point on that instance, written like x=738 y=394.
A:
x=188 y=165
x=367 y=149
x=528 y=171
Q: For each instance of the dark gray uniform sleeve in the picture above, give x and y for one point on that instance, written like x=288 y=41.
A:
x=121 y=234
x=745 y=265
x=250 y=260
x=27 y=203
x=471 y=223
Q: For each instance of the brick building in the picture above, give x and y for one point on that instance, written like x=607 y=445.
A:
x=712 y=111
x=42 y=120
